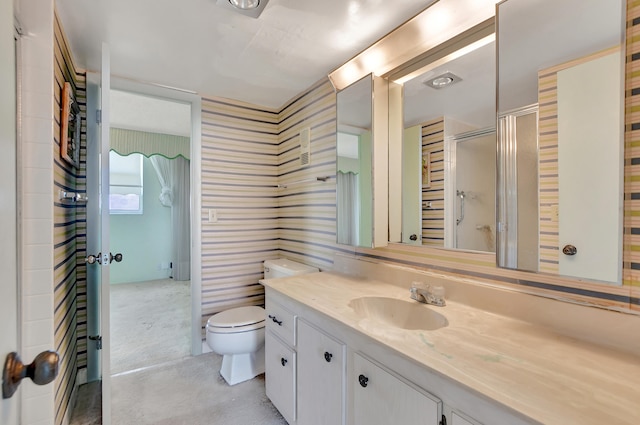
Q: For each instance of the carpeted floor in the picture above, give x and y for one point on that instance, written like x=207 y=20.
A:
x=154 y=378
x=189 y=391
x=150 y=323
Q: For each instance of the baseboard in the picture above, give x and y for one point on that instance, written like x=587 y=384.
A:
x=81 y=377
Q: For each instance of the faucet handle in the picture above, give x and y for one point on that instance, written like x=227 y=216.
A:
x=437 y=295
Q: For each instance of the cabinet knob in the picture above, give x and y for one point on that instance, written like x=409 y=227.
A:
x=413 y=237
x=364 y=381
x=275 y=320
x=327 y=356
x=569 y=250
x=283 y=361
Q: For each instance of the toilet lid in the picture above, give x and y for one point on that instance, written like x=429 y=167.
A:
x=236 y=317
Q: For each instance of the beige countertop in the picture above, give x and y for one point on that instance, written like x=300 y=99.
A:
x=545 y=376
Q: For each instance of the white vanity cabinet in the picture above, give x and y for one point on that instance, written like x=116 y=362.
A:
x=280 y=376
x=381 y=397
x=281 y=359
x=321 y=377
x=313 y=378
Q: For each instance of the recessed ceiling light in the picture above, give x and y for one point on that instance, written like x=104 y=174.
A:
x=252 y=8
x=442 y=81
x=245 y=4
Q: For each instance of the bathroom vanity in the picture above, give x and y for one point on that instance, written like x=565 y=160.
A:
x=351 y=349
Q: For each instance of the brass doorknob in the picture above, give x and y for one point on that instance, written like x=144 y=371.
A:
x=42 y=371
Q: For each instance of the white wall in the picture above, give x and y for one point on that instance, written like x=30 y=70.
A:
x=144 y=240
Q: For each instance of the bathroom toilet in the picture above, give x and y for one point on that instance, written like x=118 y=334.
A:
x=238 y=333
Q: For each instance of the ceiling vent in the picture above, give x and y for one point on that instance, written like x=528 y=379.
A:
x=305 y=146
x=252 y=8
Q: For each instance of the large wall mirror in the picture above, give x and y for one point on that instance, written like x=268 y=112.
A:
x=561 y=130
x=448 y=163
x=361 y=204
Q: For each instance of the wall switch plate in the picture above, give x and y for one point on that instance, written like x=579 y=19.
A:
x=213 y=216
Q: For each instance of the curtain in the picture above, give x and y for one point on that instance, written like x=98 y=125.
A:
x=347 y=208
x=162 y=166
x=126 y=142
x=180 y=218
x=173 y=175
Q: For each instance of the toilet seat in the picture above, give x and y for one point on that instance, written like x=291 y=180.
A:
x=236 y=320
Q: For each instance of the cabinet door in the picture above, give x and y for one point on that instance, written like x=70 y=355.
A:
x=280 y=376
x=380 y=397
x=321 y=374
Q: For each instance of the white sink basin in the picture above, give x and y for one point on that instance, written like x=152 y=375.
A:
x=398 y=313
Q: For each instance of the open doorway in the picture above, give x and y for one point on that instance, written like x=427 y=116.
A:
x=149 y=204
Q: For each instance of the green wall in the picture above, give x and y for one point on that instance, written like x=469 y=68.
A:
x=144 y=240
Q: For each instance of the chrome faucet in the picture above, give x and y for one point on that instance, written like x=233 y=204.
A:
x=427 y=294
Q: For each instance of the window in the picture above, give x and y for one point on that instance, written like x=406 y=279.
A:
x=125 y=183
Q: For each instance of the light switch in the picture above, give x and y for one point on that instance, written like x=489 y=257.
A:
x=213 y=216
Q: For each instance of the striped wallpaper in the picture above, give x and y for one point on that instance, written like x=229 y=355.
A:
x=69 y=237
x=433 y=216
x=247 y=151
x=631 y=238
x=548 y=170
x=307 y=210
x=239 y=179
x=548 y=160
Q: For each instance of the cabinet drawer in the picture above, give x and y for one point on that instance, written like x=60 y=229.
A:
x=280 y=376
x=281 y=322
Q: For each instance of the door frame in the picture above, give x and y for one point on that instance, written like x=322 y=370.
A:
x=173 y=94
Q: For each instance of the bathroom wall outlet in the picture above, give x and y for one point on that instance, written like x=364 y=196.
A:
x=213 y=216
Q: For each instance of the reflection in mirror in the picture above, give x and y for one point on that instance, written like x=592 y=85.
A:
x=448 y=160
x=561 y=121
x=353 y=174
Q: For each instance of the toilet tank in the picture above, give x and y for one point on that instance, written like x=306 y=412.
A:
x=283 y=268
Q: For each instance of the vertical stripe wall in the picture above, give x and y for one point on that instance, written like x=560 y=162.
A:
x=69 y=236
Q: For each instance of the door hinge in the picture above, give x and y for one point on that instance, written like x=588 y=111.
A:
x=98 y=340
x=99 y=116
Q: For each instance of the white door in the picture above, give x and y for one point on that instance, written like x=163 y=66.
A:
x=98 y=350
x=8 y=242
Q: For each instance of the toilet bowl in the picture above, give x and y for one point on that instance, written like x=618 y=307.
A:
x=238 y=335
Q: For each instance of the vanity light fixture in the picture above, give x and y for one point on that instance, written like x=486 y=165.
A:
x=443 y=80
x=252 y=8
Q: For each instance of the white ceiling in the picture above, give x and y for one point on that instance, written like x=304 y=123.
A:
x=199 y=46
x=145 y=113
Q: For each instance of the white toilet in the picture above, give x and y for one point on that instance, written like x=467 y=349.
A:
x=238 y=334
